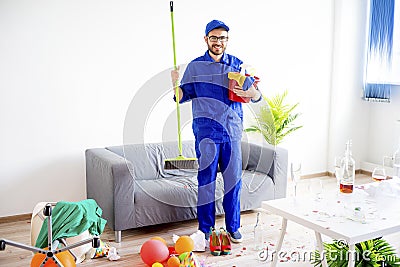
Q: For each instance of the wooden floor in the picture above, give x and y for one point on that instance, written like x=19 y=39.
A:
x=129 y=248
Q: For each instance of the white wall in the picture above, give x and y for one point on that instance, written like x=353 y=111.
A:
x=384 y=128
x=297 y=55
x=372 y=126
x=69 y=71
x=349 y=114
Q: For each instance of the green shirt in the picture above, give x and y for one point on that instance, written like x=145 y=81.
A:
x=71 y=219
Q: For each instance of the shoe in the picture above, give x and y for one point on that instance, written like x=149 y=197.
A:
x=236 y=237
x=226 y=247
x=215 y=244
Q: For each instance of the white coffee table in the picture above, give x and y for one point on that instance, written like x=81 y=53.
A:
x=335 y=216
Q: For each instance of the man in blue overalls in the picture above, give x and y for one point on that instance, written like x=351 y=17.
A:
x=217 y=126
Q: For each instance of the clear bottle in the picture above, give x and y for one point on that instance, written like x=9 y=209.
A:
x=348 y=170
x=396 y=162
x=258 y=234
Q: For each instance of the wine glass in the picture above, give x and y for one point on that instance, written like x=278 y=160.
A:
x=315 y=187
x=295 y=174
x=379 y=174
x=338 y=171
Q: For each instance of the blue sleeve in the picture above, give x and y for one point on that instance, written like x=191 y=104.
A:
x=187 y=85
x=188 y=92
x=258 y=100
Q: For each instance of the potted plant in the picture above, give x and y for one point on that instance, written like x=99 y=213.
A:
x=275 y=120
x=372 y=253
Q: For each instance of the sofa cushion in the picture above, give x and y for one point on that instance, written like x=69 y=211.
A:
x=144 y=161
x=178 y=191
x=148 y=159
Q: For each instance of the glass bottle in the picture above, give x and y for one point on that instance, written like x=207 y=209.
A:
x=258 y=234
x=396 y=162
x=348 y=170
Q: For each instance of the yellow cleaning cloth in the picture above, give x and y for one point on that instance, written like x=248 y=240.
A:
x=237 y=77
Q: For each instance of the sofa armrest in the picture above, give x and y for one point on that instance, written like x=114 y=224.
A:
x=268 y=159
x=109 y=181
x=279 y=172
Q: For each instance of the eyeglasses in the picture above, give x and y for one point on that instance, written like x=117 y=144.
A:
x=215 y=39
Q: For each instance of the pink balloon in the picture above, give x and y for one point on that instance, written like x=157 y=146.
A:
x=153 y=251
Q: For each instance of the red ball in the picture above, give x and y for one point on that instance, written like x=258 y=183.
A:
x=172 y=251
x=153 y=251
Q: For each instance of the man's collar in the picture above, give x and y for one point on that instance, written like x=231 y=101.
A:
x=224 y=58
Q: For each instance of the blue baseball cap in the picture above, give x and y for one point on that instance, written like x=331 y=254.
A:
x=215 y=24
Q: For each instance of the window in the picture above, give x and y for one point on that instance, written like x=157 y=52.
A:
x=395 y=78
x=382 y=69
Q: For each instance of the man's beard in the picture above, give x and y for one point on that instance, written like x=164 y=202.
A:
x=210 y=48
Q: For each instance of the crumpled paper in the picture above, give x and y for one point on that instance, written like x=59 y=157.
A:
x=198 y=239
x=113 y=255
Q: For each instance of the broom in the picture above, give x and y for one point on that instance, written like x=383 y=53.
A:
x=179 y=162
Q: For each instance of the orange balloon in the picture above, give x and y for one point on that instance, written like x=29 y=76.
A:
x=159 y=238
x=184 y=244
x=173 y=261
x=64 y=257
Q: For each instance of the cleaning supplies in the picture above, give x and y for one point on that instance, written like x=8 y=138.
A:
x=244 y=81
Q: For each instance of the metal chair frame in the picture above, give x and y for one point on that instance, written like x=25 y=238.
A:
x=52 y=249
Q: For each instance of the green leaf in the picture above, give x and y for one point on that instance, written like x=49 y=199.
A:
x=276 y=119
x=369 y=253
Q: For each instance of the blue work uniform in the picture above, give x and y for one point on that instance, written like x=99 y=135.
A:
x=217 y=127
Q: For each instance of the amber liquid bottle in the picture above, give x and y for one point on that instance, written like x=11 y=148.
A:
x=349 y=172
x=346 y=188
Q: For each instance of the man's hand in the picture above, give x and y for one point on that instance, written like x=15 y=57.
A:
x=174 y=79
x=175 y=76
x=252 y=92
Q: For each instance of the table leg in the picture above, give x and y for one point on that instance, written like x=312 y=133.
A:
x=321 y=248
x=352 y=258
x=280 y=242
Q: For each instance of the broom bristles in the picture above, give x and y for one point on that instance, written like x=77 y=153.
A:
x=181 y=163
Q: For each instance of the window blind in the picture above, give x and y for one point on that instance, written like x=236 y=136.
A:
x=382 y=68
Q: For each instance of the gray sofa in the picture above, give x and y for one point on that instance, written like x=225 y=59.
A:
x=131 y=186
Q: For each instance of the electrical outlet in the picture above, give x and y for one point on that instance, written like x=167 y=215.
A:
x=388 y=161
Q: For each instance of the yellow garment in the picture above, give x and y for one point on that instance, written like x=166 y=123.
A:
x=237 y=77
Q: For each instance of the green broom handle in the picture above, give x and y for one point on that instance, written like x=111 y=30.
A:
x=178 y=113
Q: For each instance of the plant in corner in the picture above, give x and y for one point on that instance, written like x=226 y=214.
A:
x=275 y=120
x=372 y=253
